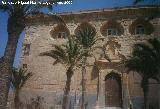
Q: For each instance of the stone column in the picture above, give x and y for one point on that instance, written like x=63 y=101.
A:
x=101 y=95
x=125 y=96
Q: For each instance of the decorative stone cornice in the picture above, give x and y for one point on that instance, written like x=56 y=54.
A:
x=101 y=14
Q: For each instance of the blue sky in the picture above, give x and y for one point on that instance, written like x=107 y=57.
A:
x=77 y=5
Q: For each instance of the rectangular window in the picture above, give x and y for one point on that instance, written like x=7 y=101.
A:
x=111 y=31
x=26 y=49
x=62 y=35
x=140 y=30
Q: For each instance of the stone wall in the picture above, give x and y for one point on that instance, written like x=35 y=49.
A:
x=48 y=80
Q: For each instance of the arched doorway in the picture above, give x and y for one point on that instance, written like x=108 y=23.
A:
x=113 y=90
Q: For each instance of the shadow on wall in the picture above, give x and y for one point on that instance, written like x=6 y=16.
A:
x=39 y=102
x=137 y=102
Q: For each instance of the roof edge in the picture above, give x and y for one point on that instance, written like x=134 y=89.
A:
x=108 y=9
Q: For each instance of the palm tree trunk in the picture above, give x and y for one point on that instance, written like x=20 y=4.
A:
x=145 y=100
x=145 y=92
x=16 y=99
x=83 y=81
x=14 y=31
x=69 y=74
x=98 y=82
x=4 y=87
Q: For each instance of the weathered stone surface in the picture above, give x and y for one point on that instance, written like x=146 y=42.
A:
x=51 y=79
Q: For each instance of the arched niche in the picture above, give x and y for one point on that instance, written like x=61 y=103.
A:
x=60 y=31
x=112 y=28
x=141 y=26
x=84 y=26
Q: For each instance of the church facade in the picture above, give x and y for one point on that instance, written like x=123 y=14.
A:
x=108 y=86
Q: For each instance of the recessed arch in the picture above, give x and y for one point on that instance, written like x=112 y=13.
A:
x=84 y=25
x=113 y=73
x=113 y=90
x=112 y=28
x=60 y=31
x=141 y=26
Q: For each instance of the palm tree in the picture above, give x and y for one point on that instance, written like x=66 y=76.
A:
x=16 y=24
x=19 y=78
x=86 y=38
x=68 y=55
x=145 y=60
x=154 y=3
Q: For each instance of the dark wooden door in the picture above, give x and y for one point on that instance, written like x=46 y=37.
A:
x=113 y=91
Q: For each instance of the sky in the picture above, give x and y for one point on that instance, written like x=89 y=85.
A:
x=77 y=5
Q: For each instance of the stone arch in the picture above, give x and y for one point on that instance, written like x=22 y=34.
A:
x=112 y=70
x=84 y=25
x=113 y=90
x=111 y=24
x=60 y=28
x=148 y=27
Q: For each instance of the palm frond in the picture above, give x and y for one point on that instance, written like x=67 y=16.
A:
x=65 y=54
x=6 y=8
x=145 y=59
x=19 y=77
x=142 y=48
x=59 y=54
x=86 y=37
x=19 y=10
x=156 y=46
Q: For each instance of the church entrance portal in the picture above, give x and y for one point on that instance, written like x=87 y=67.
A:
x=113 y=90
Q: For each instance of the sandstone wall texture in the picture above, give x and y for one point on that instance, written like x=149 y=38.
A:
x=48 y=80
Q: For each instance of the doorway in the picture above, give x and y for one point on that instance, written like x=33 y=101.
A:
x=113 y=90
